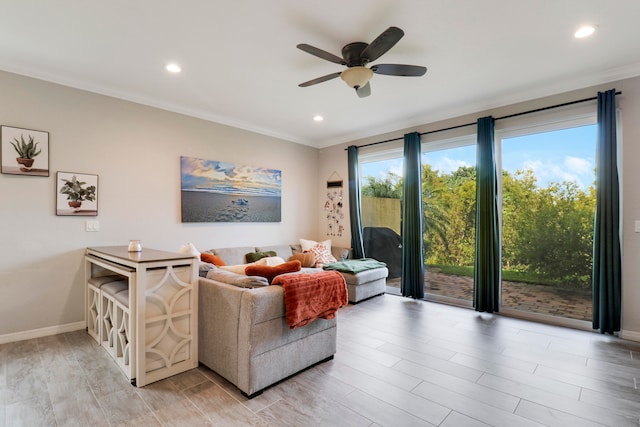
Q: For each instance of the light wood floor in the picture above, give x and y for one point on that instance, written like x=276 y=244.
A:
x=399 y=363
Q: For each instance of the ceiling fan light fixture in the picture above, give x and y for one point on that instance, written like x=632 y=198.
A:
x=173 y=68
x=584 y=31
x=356 y=77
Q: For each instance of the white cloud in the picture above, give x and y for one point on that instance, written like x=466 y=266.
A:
x=578 y=165
x=448 y=165
x=572 y=169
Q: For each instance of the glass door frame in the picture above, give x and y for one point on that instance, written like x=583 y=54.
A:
x=540 y=123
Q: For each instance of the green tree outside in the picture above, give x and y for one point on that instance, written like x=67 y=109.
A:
x=547 y=233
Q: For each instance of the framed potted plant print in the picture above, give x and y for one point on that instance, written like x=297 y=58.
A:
x=24 y=151
x=76 y=194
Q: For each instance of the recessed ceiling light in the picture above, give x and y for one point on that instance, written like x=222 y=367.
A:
x=173 y=68
x=318 y=118
x=584 y=31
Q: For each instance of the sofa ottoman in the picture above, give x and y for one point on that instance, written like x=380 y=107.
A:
x=366 y=284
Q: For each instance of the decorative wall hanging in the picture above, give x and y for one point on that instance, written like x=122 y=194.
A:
x=214 y=191
x=24 y=151
x=77 y=194
x=333 y=205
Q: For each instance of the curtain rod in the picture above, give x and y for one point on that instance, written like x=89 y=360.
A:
x=593 y=98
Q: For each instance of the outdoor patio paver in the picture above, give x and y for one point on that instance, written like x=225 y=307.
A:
x=542 y=299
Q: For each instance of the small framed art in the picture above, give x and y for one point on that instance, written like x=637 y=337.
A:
x=76 y=194
x=24 y=151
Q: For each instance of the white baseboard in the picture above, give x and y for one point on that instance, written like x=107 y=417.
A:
x=630 y=335
x=42 y=332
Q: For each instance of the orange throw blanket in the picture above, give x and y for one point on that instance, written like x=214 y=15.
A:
x=309 y=296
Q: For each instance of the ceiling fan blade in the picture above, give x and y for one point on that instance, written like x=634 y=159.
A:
x=364 y=91
x=399 y=70
x=321 y=53
x=320 y=79
x=382 y=44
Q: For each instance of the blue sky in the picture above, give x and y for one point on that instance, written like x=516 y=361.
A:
x=557 y=156
x=221 y=177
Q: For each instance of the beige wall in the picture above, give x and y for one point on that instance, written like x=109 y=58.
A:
x=135 y=151
x=335 y=158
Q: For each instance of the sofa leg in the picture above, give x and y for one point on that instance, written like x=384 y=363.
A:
x=365 y=299
x=252 y=395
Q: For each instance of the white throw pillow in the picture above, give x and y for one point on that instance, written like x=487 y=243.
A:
x=271 y=261
x=238 y=268
x=189 y=249
x=306 y=245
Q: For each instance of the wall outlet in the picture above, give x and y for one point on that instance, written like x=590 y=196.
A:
x=92 y=225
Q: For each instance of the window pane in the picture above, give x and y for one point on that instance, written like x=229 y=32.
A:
x=448 y=199
x=548 y=203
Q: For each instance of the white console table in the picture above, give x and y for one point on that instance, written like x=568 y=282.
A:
x=159 y=327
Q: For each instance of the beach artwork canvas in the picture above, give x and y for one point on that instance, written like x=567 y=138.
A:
x=214 y=191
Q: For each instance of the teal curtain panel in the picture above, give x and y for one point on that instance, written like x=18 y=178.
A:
x=412 y=276
x=486 y=294
x=607 y=270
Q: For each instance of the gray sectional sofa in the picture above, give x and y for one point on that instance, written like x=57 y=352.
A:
x=243 y=335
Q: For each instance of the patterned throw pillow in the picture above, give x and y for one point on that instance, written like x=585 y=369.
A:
x=323 y=255
x=306 y=244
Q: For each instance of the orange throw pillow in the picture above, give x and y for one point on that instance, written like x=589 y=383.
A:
x=212 y=259
x=307 y=259
x=269 y=272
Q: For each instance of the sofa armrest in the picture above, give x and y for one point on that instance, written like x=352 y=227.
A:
x=218 y=314
x=244 y=336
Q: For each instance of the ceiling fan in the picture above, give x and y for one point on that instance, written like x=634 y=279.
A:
x=355 y=56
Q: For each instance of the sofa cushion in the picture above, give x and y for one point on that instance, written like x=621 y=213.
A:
x=340 y=253
x=204 y=268
x=233 y=256
x=269 y=272
x=235 y=279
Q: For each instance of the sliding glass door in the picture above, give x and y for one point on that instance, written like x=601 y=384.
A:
x=449 y=211
x=547 y=195
x=381 y=195
x=548 y=203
